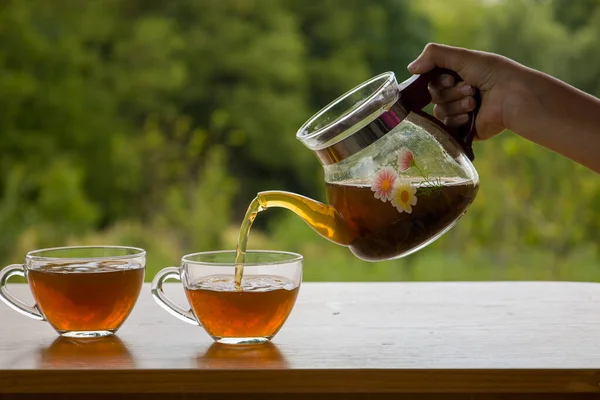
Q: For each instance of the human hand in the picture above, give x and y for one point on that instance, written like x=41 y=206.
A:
x=500 y=81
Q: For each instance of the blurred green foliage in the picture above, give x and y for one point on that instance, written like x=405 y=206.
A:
x=154 y=124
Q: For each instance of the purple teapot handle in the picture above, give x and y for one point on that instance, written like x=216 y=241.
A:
x=414 y=96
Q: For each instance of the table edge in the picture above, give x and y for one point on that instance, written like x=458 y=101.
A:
x=294 y=381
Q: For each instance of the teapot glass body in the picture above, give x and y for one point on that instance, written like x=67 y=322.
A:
x=403 y=191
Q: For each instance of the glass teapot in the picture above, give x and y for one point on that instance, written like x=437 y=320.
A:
x=396 y=177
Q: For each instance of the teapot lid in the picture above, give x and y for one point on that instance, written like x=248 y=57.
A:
x=366 y=113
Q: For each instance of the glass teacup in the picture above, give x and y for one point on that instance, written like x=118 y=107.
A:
x=85 y=291
x=252 y=315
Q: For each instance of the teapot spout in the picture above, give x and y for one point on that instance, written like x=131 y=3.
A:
x=323 y=218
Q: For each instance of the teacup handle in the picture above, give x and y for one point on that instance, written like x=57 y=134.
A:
x=162 y=300
x=12 y=301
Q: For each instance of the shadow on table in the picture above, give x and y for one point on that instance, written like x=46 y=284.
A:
x=106 y=352
x=235 y=356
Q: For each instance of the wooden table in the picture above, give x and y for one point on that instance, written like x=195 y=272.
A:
x=426 y=340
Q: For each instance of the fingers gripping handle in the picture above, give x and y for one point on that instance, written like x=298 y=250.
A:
x=12 y=301
x=415 y=96
x=162 y=300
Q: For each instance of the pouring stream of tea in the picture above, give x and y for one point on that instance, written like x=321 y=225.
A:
x=240 y=252
x=323 y=218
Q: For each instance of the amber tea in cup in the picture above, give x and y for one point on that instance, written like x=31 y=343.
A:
x=83 y=292
x=251 y=314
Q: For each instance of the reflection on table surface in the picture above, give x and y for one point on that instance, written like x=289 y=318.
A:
x=105 y=352
x=265 y=355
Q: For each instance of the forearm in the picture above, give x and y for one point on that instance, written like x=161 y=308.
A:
x=561 y=118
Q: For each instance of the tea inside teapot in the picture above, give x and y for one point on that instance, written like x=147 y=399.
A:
x=396 y=178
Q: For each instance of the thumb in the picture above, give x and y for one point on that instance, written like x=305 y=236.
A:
x=453 y=58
